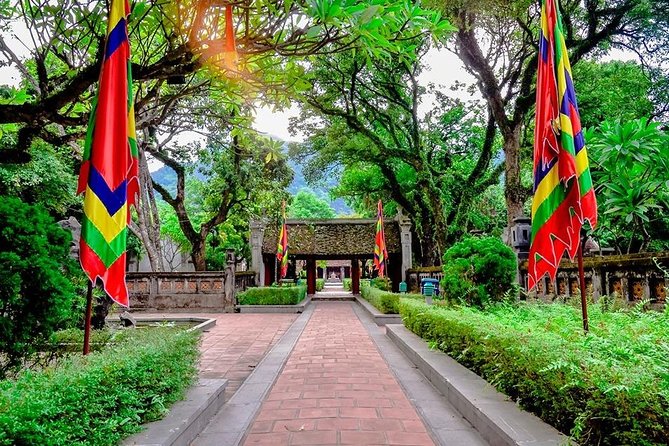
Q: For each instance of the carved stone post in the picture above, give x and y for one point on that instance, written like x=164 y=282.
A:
x=229 y=283
x=257 y=265
x=405 y=239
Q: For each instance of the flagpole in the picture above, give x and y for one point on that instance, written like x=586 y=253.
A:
x=87 y=322
x=581 y=278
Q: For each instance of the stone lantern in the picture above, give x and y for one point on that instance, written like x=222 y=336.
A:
x=521 y=231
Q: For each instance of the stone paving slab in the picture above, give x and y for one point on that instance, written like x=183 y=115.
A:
x=337 y=389
x=236 y=344
x=230 y=424
x=447 y=425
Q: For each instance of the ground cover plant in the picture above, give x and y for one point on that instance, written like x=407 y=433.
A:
x=610 y=387
x=273 y=295
x=103 y=397
x=320 y=284
x=384 y=301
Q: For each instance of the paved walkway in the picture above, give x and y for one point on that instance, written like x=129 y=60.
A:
x=336 y=389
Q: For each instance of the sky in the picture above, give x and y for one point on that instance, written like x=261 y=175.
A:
x=443 y=69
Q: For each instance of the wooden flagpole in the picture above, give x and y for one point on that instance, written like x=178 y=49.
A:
x=581 y=278
x=87 y=322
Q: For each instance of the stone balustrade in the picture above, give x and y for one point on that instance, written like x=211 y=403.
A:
x=415 y=275
x=630 y=277
x=180 y=291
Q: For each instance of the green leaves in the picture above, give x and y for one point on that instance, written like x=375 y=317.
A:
x=630 y=164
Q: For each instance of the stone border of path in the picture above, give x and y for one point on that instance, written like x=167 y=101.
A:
x=374 y=313
x=297 y=308
x=230 y=424
x=186 y=418
x=203 y=323
x=498 y=420
x=446 y=426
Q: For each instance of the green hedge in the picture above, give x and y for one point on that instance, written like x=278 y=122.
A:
x=102 y=398
x=384 y=301
x=346 y=284
x=320 y=284
x=610 y=387
x=273 y=295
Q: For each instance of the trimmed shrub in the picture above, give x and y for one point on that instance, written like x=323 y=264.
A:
x=608 y=388
x=103 y=397
x=384 y=301
x=320 y=284
x=347 y=283
x=273 y=295
x=478 y=271
x=382 y=283
x=36 y=296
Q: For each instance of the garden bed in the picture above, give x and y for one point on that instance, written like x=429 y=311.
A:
x=103 y=397
x=292 y=299
x=610 y=387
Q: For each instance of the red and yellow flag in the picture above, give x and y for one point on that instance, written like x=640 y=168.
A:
x=108 y=175
x=282 y=247
x=564 y=196
x=380 y=251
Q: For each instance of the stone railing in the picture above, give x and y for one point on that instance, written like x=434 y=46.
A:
x=244 y=280
x=631 y=277
x=415 y=275
x=182 y=291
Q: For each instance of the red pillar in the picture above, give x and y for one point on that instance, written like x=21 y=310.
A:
x=355 y=276
x=270 y=270
x=311 y=276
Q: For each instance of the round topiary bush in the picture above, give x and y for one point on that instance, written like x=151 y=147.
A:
x=36 y=297
x=478 y=271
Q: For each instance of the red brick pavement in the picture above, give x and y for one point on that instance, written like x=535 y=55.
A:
x=336 y=389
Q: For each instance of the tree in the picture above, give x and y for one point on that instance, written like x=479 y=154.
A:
x=306 y=204
x=369 y=123
x=174 y=41
x=630 y=166
x=36 y=295
x=497 y=42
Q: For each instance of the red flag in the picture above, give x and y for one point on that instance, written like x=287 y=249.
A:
x=282 y=247
x=380 y=251
x=108 y=175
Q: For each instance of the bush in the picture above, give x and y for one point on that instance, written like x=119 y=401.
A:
x=273 y=295
x=607 y=388
x=36 y=297
x=320 y=284
x=100 y=398
x=384 y=301
x=382 y=283
x=346 y=283
x=478 y=271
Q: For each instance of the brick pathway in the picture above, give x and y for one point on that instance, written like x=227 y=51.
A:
x=336 y=389
x=237 y=343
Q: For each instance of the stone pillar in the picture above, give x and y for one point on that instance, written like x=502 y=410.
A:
x=257 y=264
x=355 y=276
x=229 y=283
x=405 y=239
x=311 y=276
x=341 y=273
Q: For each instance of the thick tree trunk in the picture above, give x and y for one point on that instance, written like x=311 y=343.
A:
x=198 y=254
x=514 y=193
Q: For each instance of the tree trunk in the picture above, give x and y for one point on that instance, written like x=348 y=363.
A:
x=148 y=222
x=514 y=193
x=198 y=254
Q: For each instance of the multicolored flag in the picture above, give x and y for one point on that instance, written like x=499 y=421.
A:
x=563 y=192
x=380 y=251
x=282 y=247
x=108 y=175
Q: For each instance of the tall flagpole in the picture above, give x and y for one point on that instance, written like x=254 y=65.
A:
x=87 y=322
x=581 y=278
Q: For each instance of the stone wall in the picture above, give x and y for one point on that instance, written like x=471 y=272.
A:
x=630 y=277
x=184 y=291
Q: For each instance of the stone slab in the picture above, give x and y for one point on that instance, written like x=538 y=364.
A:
x=374 y=313
x=298 y=308
x=230 y=424
x=186 y=419
x=499 y=420
x=446 y=425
